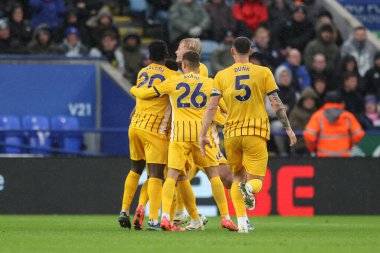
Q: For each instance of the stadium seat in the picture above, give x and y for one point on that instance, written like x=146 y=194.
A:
x=37 y=139
x=70 y=142
x=10 y=122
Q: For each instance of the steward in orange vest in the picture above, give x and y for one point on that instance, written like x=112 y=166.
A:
x=332 y=131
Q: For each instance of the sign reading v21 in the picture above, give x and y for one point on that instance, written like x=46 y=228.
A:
x=80 y=109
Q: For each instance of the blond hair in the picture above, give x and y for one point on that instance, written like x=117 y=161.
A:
x=193 y=44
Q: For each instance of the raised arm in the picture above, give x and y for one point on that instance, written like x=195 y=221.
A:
x=280 y=110
x=145 y=93
x=209 y=115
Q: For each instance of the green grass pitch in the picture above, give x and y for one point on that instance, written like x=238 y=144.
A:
x=93 y=233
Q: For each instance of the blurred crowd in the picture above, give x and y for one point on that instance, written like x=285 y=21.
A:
x=298 y=40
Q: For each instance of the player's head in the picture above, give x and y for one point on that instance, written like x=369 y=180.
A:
x=190 y=62
x=188 y=44
x=241 y=47
x=158 y=51
x=171 y=64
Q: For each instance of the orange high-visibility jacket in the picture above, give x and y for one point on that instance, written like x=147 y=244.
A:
x=332 y=131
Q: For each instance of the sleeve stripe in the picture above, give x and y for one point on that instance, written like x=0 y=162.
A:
x=158 y=93
x=273 y=91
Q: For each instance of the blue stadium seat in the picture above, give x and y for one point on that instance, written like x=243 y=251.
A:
x=10 y=122
x=70 y=142
x=37 y=139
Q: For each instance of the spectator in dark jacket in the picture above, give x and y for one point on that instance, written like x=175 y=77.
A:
x=133 y=56
x=301 y=114
x=42 y=42
x=324 y=44
x=319 y=69
x=300 y=77
x=279 y=12
x=21 y=29
x=72 y=45
x=221 y=58
x=326 y=18
x=47 y=12
x=370 y=119
x=261 y=43
x=372 y=78
x=351 y=95
x=360 y=48
x=221 y=19
x=250 y=12
x=71 y=20
x=9 y=45
x=350 y=65
x=297 y=31
x=104 y=23
x=319 y=87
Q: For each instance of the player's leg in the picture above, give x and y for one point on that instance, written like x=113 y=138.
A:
x=156 y=175
x=255 y=160
x=138 y=219
x=144 y=198
x=226 y=175
x=130 y=186
x=168 y=191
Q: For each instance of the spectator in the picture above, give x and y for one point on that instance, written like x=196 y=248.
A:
x=157 y=13
x=313 y=8
x=349 y=65
x=297 y=31
x=325 y=18
x=42 y=42
x=261 y=43
x=300 y=76
x=372 y=78
x=104 y=23
x=319 y=87
x=108 y=48
x=351 y=95
x=279 y=12
x=72 y=45
x=8 y=45
x=133 y=56
x=301 y=114
x=287 y=95
x=324 y=44
x=319 y=69
x=250 y=13
x=221 y=19
x=21 y=30
x=332 y=131
x=47 y=12
x=370 y=119
x=256 y=58
x=221 y=57
x=187 y=19
x=360 y=48
x=82 y=11
x=71 y=20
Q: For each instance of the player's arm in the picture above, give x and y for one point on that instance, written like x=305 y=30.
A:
x=220 y=117
x=144 y=93
x=280 y=110
x=209 y=115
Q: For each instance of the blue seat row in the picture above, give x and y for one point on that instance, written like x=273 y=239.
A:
x=37 y=136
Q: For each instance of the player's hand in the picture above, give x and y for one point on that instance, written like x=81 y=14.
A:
x=203 y=141
x=195 y=31
x=292 y=136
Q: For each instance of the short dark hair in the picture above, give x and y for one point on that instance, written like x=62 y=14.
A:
x=171 y=64
x=242 y=45
x=333 y=97
x=109 y=33
x=349 y=75
x=192 y=59
x=158 y=50
x=359 y=28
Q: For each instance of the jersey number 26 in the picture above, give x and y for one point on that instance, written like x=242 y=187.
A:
x=193 y=99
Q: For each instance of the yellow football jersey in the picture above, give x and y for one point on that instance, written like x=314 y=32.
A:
x=203 y=71
x=244 y=87
x=152 y=115
x=189 y=94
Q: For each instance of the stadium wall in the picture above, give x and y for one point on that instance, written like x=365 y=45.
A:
x=293 y=187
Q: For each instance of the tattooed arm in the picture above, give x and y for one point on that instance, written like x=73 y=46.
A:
x=280 y=110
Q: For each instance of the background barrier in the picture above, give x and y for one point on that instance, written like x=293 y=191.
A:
x=300 y=187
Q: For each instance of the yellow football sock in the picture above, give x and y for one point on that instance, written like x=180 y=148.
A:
x=173 y=208
x=237 y=200
x=256 y=184
x=155 y=195
x=180 y=204
x=168 y=195
x=130 y=186
x=219 y=196
x=143 y=199
x=187 y=194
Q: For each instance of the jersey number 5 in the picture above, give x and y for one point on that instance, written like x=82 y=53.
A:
x=151 y=79
x=239 y=86
x=193 y=99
